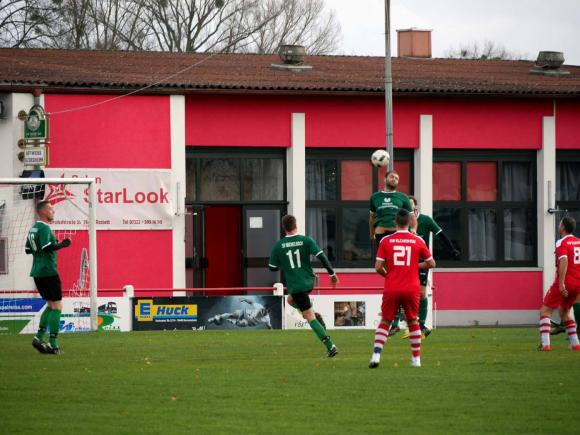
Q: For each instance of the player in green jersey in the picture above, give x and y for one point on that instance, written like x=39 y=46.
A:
x=384 y=206
x=425 y=227
x=292 y=255
x=42 y=244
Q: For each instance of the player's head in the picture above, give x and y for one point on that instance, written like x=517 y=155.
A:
x=402 y=219
x=567 y=225
x=45 y=211
x=414 y=202
x=391 y=180
x=288 y=223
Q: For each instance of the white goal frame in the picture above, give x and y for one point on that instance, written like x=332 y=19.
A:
x=92 y=218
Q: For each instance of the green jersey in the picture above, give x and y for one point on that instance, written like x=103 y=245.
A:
x=425 y=226
x=385 y=206
x=292 y=255
x=43 y=263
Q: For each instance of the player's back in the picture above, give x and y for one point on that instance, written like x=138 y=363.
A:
x=292 y=254
x=569 y=246
x=401 y=252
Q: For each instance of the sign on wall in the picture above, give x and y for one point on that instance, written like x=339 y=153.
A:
x=193 y=313
x=22 y=315
x=128 y=199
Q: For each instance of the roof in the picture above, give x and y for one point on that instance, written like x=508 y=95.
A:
x=61 y=70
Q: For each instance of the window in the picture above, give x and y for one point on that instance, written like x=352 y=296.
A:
x=568 y=187
x=486 y=205
x=225 y=175
x=338 y=189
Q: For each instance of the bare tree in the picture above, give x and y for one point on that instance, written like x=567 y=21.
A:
x=489 y=50
x=19 y=20
x=296 y=22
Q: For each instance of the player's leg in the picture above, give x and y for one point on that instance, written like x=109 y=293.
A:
x=395 y=324
x=389 y=307
x=424 y=303
x=318 y=316
x=37 y=341
x=552 y=300
x=411 y=307
x=568 y=322
x=54 y=302
x=302 y=300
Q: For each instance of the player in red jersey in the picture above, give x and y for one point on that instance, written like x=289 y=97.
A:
x=565 y=291
x=398 y=261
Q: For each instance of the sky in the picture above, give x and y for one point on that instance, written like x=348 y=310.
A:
x=524 y=27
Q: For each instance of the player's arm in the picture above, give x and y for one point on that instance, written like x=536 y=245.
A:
x=27 y=247
x=429 y=262
x=51 y=246
x=321 y=256
x=562 y=269
x=273 y=262
x=47 y=243
x=448 y=244
x=372 y=211
x=380 y=267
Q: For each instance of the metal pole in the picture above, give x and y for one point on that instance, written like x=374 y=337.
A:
x=93 y=254
x=388 y=85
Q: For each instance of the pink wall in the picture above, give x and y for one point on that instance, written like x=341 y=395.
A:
x=460 y=290
x=568 y=124
x=265 y=121
x=133 y=132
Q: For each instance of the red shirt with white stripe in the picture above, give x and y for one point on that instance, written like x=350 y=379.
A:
x=401 y=252
x=569 y=247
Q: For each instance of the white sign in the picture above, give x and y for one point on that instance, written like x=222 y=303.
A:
x=256 y=222
x=35 y=156
x=127 y=199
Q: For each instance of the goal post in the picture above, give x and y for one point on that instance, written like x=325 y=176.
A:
x=75 y=203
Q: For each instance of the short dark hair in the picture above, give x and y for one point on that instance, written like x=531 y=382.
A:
x=569 y=224
x=392 y=171
x=288 y=223
x=402 y=218
x=413 y=199
x=40 y=205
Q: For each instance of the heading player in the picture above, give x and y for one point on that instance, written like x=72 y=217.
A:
x=565 y=290
x=398 y=261
x=42 y=244
x=292 y=255
x=384 y=206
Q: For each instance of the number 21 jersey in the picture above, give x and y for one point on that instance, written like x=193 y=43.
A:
x=292 y=255
x=401 y=252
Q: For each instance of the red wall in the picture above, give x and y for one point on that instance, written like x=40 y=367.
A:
x=132 y=132
x=568 y=124
x=264 y=121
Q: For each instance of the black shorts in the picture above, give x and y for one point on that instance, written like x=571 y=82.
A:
x=302 y=300
x=379 y=237
x=49 y=288
x=423 y=276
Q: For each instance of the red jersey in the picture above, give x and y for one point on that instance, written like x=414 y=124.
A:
x=569 y=246
x=401 y=252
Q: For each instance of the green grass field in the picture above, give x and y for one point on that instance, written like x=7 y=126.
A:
x=206 y=382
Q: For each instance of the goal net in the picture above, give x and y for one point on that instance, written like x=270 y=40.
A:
x=74 y=219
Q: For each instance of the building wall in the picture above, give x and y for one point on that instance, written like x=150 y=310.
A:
x=132 y=132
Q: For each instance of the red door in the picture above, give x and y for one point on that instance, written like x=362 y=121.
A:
x=223 y=247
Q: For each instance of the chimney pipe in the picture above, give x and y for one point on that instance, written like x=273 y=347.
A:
x=414 y=42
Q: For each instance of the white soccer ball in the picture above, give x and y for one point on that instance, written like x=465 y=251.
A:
x=380 y=158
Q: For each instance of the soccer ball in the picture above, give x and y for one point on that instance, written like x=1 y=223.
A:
x=380 y=158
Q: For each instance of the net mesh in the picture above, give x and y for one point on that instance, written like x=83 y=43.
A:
x=71 y=221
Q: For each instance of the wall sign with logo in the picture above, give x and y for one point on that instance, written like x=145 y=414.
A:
x=36 y=124
x=193 y=313
x=137 y=199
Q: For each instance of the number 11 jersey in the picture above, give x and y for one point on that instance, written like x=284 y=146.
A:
x=292 y=255
x=401 y=252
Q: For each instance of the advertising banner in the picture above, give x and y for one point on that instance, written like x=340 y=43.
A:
x=339 y=312
x=22 y=316
x=193 y=313
x=128 y=199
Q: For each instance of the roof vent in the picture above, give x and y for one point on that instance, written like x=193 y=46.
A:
x=292 y=57
x=549 y=63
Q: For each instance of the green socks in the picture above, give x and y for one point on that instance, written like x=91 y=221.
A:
x=423 y=307
x=395 y=323
x=44 y=319
x=54 y=325
x=321 y=334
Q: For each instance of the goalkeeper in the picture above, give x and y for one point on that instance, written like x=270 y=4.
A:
x=42 y=244
x=425 y=226
x=292 y=255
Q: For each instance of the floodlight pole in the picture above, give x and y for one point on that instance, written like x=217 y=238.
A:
x=388 y=86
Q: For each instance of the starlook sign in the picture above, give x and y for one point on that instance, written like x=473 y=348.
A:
x=132 y=199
